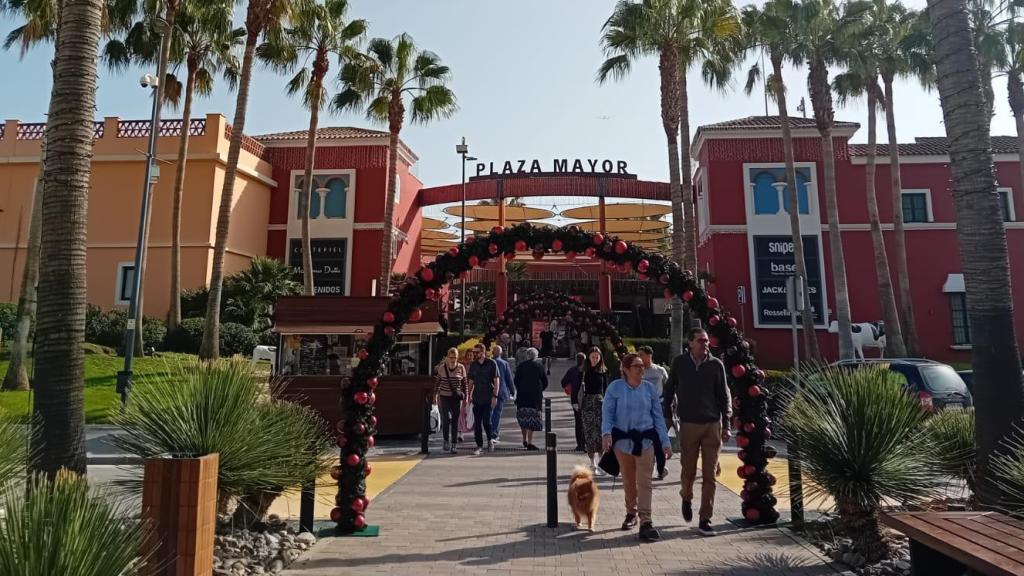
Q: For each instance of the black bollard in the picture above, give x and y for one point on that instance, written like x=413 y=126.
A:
x=547 y=415
x=425 y=432
x=549 y=445
x=307 y=500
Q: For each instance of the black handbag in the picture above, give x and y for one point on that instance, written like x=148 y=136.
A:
x=609 y=463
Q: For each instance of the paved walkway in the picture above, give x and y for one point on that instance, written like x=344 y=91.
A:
x=487 y=515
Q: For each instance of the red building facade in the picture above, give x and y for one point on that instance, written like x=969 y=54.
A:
x=745 y=232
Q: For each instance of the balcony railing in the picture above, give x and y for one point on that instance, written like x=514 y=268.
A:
x=140 y=128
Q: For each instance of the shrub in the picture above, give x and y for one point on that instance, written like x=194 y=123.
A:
x=236 y=339
x=8 y=318
x=63 y=527
x=97 y=324
x=662 y=348
x=187 y=337
x=267 y=338
x=193 y=302
x=951 y=435
x=611 y=360
x=860 y=437
x=108 y=329
x=223 y=407
x=1007 y=467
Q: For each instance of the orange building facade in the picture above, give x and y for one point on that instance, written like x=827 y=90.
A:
x=347 y=211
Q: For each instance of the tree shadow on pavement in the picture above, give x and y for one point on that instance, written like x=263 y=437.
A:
x=762 y=564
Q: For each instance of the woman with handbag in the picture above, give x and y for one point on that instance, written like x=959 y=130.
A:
x=450 y=395
x=595 y=383
x=530 y=383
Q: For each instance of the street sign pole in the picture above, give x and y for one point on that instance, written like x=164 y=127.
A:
x=795 y=302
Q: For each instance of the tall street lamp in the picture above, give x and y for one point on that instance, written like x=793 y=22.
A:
x=463 y=150
x=155 y=84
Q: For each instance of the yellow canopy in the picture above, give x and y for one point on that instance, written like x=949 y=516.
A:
x=433 y=224
x=512 y=213
x=618 y=211
x=487 y=225
x=616 y=226
x=437 y=235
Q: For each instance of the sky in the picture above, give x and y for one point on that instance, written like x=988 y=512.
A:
x=523 y=72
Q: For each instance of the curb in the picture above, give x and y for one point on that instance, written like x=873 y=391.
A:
x=112 y=460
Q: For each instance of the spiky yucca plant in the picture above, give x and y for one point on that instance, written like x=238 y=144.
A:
x=224 y=407
x=952 y=443
x=62 y=527
x=861 y=442
x=13 y=449
x=1007 y=466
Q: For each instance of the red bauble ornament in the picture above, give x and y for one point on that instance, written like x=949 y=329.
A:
x=643 y=265
x=664 y=279
x=367 y=470
x=427 y=274
x=538 y=255
x=373 y=421
x=388 y=317
x=370 y=442
x=415 y=315
x=474 y=261
x=598 y=239
x=759 y=374
x=667 y=293
x=510 y=255
x=454 y=251
x=357 y=505
x=493 y=248
x=714 y=320
x=556 y=245
x=430 y=293
x=713 y=303
x=741 y=471
x=752 y=514
x=739 y=371
x=359 y=521
x=754 y=391
x=621 y=247
x=366 y=502
x=736 y=402
x=771 y=479
x=360 y=428
x=590 y=252
x=642 y=276
x=373 y=383
x=340 y=441
x=570 y=255
x=742 y=441
x=742 y=455
x=372 y=398
x=713 y=341
x=731 y=322
x=335 y=514
x=362 y=354
x=335 y=472
x=750 y=470
x=498 y=230
x=744 y=495
x=470 y=239
x=353 y=460
x=688 y=295
x=362 y=397
x=748 y=428
x=520 y=245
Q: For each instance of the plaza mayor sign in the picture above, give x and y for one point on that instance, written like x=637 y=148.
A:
x=557 y=166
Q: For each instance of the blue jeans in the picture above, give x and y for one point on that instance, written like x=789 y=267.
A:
x=496 y=418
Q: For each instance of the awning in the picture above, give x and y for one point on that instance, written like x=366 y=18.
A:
x=954 y=284
x=417 y=328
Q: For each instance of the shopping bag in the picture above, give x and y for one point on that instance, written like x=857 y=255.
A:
x=673 y=435
x=435 y=419
x=466 y=419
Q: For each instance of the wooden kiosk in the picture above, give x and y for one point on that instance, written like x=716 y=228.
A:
x=318 y=338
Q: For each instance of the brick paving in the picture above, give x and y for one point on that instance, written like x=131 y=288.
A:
x=487 y=515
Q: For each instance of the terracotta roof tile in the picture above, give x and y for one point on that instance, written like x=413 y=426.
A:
x=327 y=133
x=769 y=123
x=935 y=146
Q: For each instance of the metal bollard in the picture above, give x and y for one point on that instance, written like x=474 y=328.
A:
x=425 y=432
x=547 y=415
x=307 y=500
x=550 y=441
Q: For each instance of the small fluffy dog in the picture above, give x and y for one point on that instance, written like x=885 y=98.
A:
x=584 y=497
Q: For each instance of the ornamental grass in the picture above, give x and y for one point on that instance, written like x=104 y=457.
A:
x=952 y=443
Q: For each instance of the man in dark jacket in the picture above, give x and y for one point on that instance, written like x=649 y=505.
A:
x=698 y=385
x=571 y=384
x=484 y=391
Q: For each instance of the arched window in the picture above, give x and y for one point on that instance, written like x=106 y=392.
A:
x=766 y=196
x=801 y=190
x=336 y=198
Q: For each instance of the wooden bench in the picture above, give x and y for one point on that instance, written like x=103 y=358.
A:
x=950 y=543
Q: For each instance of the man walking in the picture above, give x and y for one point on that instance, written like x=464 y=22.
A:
x=657 y=375
x=505 y=377
x=699 y=387
x=484 y=388
x=571 y=382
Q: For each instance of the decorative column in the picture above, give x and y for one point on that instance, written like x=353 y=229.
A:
x=604 y=280
x=501 y=282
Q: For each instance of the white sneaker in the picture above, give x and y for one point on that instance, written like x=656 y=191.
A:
x=490 y=445
x=598 y=471
x=478 y=451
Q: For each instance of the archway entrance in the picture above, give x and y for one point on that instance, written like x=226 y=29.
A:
x=355 y=430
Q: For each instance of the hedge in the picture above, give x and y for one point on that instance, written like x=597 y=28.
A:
x=108 y=328
x=662 y=348
x=234 y=338
x=8 y=318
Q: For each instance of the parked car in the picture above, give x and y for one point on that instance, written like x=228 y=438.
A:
x=968 y=377
x=937 y=385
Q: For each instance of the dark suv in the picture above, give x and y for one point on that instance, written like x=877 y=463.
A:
x=937 y=385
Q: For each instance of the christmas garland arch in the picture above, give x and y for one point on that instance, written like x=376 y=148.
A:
x=550 y=304
x=358 y=424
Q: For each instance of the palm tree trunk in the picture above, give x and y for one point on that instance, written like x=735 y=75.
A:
x=998 y=388
x=689 y=258
x=906 y=299
x=821 y=99
x=17 y=373
x=59 y=439
x=210 y=348
x=893 y=335
x=174 y=316
x=396 y=115
x=811 y=350
x=307 y=194
x=668 y=68
x=1015 y=87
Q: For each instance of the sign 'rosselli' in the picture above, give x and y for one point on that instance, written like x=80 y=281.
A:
x=356 y=429
x=557 y=166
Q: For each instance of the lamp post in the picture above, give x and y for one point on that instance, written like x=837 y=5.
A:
x=155 y=84
x=463 y=150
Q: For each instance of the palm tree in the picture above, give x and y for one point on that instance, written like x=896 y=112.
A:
x=380 y=82
x=318 y=32
x=998 y=389
x=988 y=27
x=682 y=33
x=203 y=40
x=1015 y=83
x=770 y=29
x=815 y=37
x=901 y=51
x=858 y=52
x=262 y=16
x=60 y=326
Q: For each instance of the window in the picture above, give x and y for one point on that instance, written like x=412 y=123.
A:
x=771 y=194
x=336 y=198
x=125 y=283
x=916 y=206
x=329 y=196
x=766 y=195
x=961 y=325
x=1006 y=204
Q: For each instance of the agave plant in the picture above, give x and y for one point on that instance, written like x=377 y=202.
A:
x=860 y=438
x=952 y=444
x=1007 y=465
x=265 y=446
x=13 y=449
x=63 y=527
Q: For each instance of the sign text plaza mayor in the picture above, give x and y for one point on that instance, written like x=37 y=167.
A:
x=557 y=166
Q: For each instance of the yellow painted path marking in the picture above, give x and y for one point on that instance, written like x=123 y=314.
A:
x=780 y=468
x=386 y=471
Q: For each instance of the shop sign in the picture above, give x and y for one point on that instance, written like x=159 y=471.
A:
x=774 y=263
x=329 y=264
x=557 y=166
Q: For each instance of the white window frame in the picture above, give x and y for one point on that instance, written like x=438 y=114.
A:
x=119 y=284
x=1009 y=202
x=927 y=201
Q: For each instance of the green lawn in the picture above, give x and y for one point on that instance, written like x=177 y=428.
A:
x=100 y=378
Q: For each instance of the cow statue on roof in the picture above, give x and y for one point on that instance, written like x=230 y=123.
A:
x=865 y=334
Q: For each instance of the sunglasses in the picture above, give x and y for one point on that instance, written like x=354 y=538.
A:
x=635 y=365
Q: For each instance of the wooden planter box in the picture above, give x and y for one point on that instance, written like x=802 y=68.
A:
x=179 y=501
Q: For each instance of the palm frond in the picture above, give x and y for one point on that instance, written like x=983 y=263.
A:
x=434 y=102
x=614 y=68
